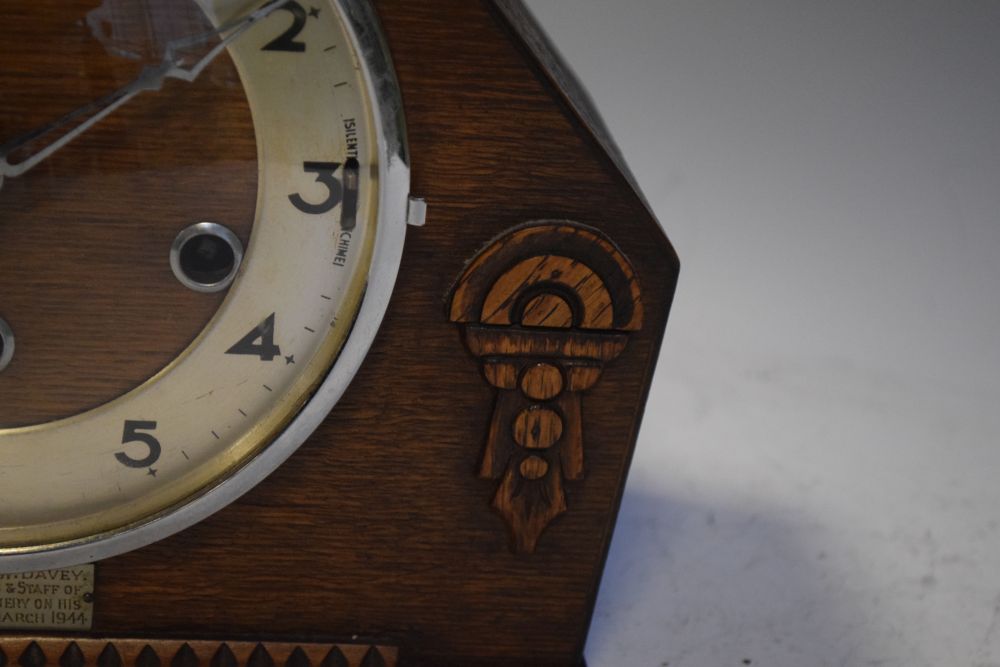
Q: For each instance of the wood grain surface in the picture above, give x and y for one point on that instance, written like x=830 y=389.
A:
x=85 y=278
x=379 y=526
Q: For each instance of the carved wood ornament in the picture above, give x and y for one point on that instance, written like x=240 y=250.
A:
x=545 y=307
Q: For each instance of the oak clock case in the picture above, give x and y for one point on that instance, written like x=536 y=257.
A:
x=203 y=207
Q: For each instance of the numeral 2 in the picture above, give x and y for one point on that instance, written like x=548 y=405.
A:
x=286 y=40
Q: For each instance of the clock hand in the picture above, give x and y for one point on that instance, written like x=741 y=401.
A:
x=150 y=78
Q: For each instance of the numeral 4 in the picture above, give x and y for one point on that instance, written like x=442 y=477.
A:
x=259 y=342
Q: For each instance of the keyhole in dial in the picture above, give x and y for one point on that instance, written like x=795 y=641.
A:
x=206 y=256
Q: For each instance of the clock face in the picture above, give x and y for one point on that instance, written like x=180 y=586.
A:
x=201 y=213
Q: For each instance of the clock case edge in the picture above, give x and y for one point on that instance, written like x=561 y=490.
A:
x=551 y=66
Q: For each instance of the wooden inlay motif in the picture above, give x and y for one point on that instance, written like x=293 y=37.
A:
x=81 y=652
x=544 y=307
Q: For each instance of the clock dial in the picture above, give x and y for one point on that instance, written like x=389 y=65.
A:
x=83 y=236
x=273 y=237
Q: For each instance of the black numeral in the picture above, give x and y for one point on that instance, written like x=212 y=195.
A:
x=286 y=41
x=133 y=433
x=335 y=190
x=265 y=349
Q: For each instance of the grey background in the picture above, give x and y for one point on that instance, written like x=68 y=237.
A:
x=817 y=476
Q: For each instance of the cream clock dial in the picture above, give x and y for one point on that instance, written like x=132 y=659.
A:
x=304 y=298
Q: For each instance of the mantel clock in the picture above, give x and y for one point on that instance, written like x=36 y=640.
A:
x=325 y=332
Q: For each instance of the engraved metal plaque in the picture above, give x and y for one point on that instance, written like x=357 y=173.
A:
x=48 y=600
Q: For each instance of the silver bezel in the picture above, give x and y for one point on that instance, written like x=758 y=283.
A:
x=394 y=186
